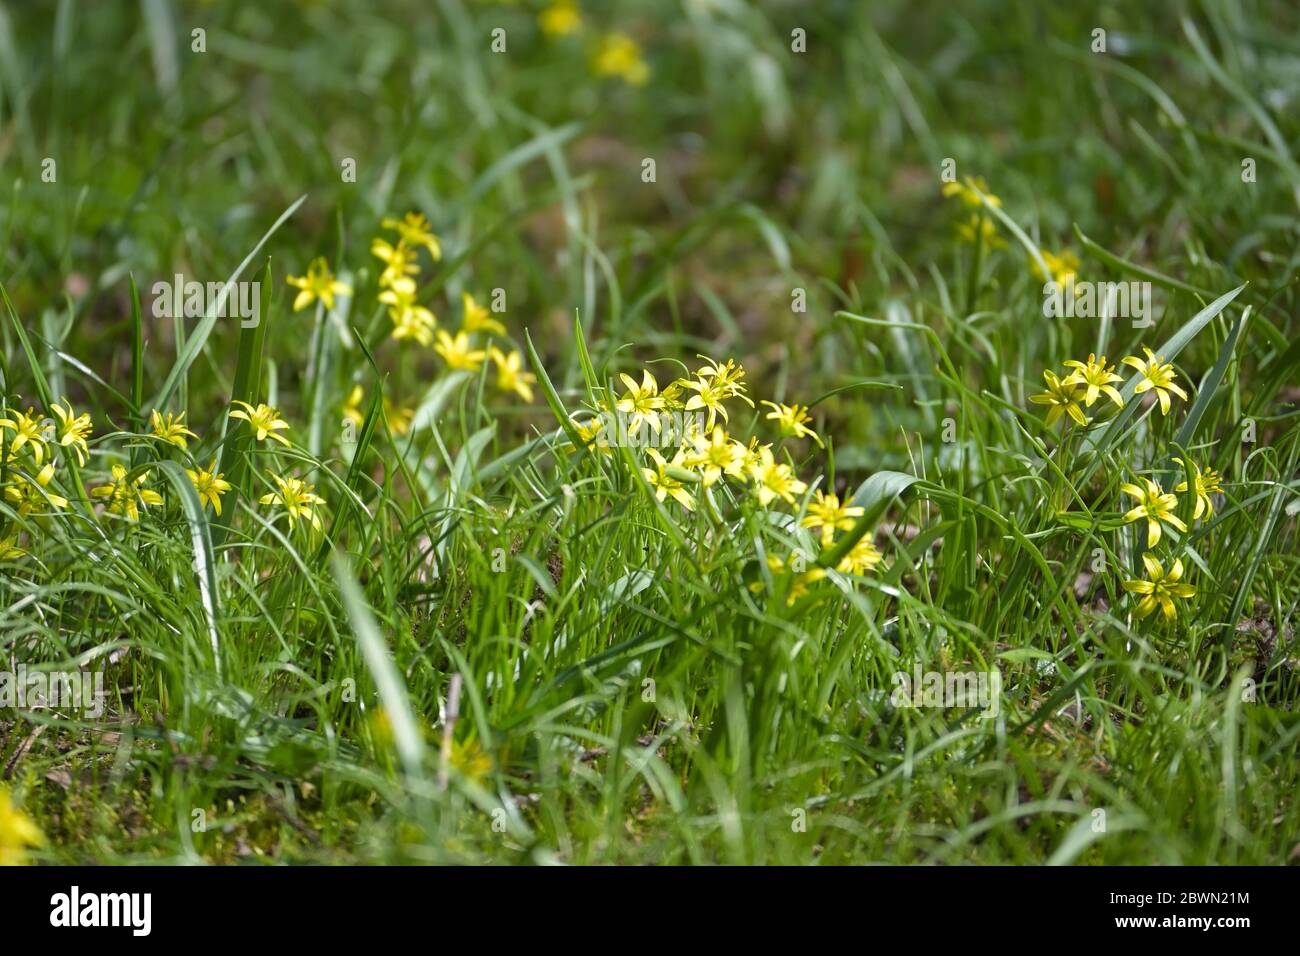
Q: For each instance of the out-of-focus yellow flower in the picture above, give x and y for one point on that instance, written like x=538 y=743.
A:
x=1208 y=483
x=471 y=760
x=510 y=374
x=1095 y=376
x=476 y=318
x=826 y=512
x=617 y=54
x=458 y=353
x=1062 y=396
x=398 y=417
x=318 y=283
x=9 y=550
x=792 y=420
x=774 y=479
x=398 y=260
x=799 y=580
x=1160 y=588
x=414 y=231
x=966 y=190
x=352 y=406
x=209 y=485
x=861 y=559
x=32 y=497
x=1157 y=375
x=127 y=495
x=665 y=484
x=170 y=428
x=1156 y=506
x=73 y=430
x=298 y=499
x=17 y=832
x=1064 y=268
x=264 y=419
x=410 y=319
x=28 y=430
x=982 y=227
x=561 y=18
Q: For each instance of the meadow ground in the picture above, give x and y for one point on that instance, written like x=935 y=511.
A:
x=642 y=432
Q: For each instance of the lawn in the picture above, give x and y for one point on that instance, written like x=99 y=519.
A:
x=685 y=431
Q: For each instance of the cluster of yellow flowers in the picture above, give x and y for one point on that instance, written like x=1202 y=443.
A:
x=30 y=445
x=1084 y=385
x=973 y=192
x=705 y=454
x=1088 y=381
x=415 y=322
x=613 y=54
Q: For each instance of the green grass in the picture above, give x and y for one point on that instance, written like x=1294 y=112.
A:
x=503 y=649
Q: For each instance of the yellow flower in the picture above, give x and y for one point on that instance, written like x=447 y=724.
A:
x=170 y=429
x=510 y=377
x=27 y=429
x=32 y=497
x=1063 y=396
x=799 y=581
x=17 y=832
x=1064 y=268
x=1154 y=505
x=471 y=760
x=861 y=559
x=983 y=227
x=410 y=319
x=726 y=375
x=826 y=512
x=561 y=18
x=475 y=318
x=641 y=403
x=1096 y=377
x=297 y=497
x=264 y=420
x=73 y=430
x=414 y=231
x=457 y=352
x=966 y=191
x=792 y=421
x=398 y=260
x=398 y=417
x=665 y=484
x=127 y=495
x=318 y=283
x=1158 y=375
x=1207 y=483
x=716 y=455
x=209 y=485
x=1160 y=588
x=352 y=407
x=715 y=383
x=9 y=550
x=619 y=55
x=754 y=452
x=590 y=433
x=773 y=479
